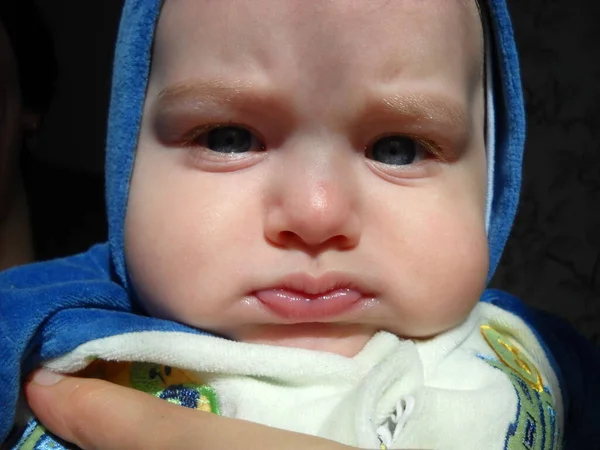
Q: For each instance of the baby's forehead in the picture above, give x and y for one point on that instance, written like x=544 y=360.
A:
x=330 y=31
x=318 y=18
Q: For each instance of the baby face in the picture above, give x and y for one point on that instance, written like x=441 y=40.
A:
x=309 y=173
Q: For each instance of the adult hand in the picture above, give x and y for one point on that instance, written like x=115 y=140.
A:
x=95 y=414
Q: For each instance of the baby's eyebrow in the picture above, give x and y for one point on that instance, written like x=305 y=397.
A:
x=420 y=109
x=200 y=92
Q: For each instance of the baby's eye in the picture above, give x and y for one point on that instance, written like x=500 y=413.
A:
x=396 y=151
x=228 y=139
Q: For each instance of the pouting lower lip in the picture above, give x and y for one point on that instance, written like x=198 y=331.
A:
x=304 y=307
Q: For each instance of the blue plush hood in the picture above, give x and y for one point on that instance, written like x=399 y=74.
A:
x=48 y=309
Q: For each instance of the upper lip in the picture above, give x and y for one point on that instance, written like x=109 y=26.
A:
x=305 y=283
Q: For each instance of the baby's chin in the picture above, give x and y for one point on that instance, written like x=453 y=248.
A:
x=344 y=340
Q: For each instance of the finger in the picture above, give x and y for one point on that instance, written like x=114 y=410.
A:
x=95 y=414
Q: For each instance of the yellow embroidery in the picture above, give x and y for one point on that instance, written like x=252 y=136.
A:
x=512 y=357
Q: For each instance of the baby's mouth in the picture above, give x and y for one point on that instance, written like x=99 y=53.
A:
x=301 y=307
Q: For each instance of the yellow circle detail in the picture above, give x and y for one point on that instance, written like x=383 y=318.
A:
x=512 y=357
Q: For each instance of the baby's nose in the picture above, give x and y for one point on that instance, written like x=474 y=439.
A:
x=314 y=214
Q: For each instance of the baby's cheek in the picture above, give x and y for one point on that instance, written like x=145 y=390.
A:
x=459 y=276
x=165 y=260
x=187 y=239
x=445 y=274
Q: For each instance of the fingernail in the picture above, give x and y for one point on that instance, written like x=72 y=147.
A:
x=46 y=378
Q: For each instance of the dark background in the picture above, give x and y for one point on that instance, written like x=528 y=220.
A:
x=552 y=260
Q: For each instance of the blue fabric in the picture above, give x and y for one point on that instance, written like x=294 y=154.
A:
x=510 y=132
x=130 y=78
x=48 y=309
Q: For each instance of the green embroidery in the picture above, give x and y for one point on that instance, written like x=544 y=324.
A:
x=174 y=386
x=30 y=441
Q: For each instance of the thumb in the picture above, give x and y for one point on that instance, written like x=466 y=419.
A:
x=96 y=414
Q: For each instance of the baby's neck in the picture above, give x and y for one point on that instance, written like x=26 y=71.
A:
x=344 y=340
x=16 y=246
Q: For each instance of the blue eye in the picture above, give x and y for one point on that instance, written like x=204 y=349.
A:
x=396 y=151
x=230 y=139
